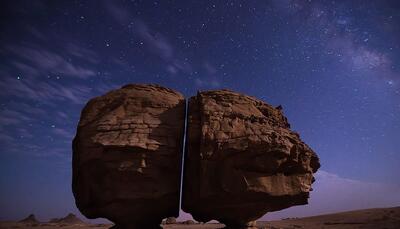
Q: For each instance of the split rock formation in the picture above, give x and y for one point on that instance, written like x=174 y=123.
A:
x=242 y=160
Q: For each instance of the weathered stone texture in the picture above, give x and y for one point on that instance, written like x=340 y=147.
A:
x=127 y=156
x=242 y=160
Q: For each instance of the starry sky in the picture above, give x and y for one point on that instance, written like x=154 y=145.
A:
x=334 y=66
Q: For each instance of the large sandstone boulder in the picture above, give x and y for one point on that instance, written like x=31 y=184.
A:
x=127 y=156
x=242 y=160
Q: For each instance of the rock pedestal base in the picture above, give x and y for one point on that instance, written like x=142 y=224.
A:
x=248 y=225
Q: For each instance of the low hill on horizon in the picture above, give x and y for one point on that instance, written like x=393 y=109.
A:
x=363 y=218
x=388 y=218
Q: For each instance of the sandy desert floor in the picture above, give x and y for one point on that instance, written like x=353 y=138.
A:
x=377 y=218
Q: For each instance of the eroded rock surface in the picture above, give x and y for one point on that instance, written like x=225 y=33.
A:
x=242 y=160
x=127 y=156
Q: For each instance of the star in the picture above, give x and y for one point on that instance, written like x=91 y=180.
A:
x=333 y=67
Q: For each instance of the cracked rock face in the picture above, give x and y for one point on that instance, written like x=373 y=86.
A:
x=127 y=156
x=242 y=160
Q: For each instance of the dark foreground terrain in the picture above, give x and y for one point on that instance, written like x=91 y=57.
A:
x=388 y=218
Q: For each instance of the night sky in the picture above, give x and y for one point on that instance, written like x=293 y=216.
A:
x=334 y=66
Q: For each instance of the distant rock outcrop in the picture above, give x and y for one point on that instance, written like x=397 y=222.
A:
x=30 y=219
x=242 y=160
x=127 y=156
x=69 y=219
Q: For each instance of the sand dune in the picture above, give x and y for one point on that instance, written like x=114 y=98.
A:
x=388 y=218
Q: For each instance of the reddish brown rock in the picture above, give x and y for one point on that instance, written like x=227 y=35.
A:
x=127 y=156
x=242 y=160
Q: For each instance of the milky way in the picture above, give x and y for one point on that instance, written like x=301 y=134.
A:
x=332 y=65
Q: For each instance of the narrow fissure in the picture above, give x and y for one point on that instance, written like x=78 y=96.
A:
x=183 y=153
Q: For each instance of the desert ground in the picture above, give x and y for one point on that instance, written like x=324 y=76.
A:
x=377 y=218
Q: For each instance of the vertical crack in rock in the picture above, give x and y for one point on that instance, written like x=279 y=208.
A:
x=242 y=160
x=183 y=155
x=127 y=156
